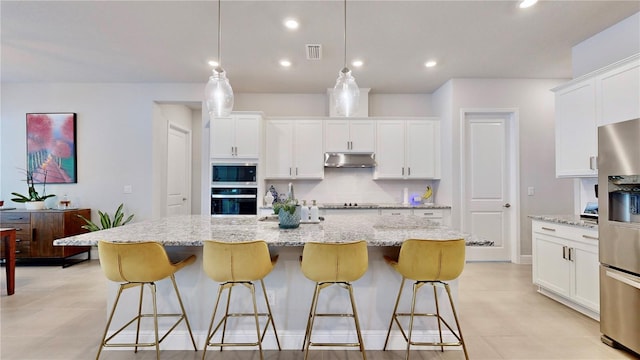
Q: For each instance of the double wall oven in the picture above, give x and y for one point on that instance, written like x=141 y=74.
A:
x=234 y=189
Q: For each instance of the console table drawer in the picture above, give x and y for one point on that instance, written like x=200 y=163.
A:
x=15 y=218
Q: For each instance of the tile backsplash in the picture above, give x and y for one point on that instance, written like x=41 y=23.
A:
x=354 y=185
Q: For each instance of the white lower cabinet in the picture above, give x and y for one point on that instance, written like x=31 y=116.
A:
x=565 y=265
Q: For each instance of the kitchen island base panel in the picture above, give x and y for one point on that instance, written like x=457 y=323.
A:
x=291 y=293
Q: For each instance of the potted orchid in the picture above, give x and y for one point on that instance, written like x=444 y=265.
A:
x=33 y=201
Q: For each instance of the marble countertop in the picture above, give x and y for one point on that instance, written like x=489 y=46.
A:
x=193 y=230
x=567 y=220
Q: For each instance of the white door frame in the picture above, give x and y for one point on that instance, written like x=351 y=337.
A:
x=512 y=115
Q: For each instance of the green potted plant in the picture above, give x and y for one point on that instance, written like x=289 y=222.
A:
x=33 y=201
x=106 y=221
x=288 y=213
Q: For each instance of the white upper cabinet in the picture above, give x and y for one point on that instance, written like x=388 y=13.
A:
x=236 y=137
x=606 y=96
x=349 y=135
x=294 y=149
x=576 y=130
x=619 y=94
x=408 y=149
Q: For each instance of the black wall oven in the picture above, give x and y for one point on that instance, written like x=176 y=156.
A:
x=234 y=201
x=234 y=189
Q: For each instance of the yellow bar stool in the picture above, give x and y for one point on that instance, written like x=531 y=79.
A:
x=239 y=263
x=428 y=262
x=135 y=265
x=334 y=264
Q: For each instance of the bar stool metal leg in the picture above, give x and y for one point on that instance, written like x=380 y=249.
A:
x=435 y=298
x=455 y=316
x=273 y=324
x=394 y=316
x=357 y=321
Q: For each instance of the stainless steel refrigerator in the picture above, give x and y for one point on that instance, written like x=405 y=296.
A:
x=619 y=233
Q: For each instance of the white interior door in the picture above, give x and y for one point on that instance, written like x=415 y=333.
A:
x=488 y=213
x=178 y=171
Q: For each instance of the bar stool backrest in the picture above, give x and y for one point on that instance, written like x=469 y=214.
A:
x=237 y=261
x=431 y=260
x=134 y=262
x=335 y=262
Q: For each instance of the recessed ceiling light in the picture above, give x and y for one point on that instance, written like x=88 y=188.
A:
x=357 y=63
x=291 y=24
x=213 y=63
x=527 y=3
x=285 y=63
x=430 y=63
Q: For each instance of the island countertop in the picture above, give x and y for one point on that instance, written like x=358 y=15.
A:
x=193 y=230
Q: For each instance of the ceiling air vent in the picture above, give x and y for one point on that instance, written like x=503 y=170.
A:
x=314 y=51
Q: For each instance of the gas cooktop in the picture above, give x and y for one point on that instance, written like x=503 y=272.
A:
x=350 y=205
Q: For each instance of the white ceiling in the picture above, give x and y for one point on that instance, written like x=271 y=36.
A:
x=171 y=41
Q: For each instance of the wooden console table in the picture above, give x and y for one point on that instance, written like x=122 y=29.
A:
x=37 y=229
x=8 y=236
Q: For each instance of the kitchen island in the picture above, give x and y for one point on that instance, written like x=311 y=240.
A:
x=289 y=291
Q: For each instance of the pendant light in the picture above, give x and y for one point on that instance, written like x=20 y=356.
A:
x=218 y=92
x=346 y=92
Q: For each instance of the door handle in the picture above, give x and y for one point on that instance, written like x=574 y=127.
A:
x=184 y=199
x=507 y=205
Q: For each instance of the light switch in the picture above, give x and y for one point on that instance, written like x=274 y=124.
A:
x=530 y=191
x=128 y=189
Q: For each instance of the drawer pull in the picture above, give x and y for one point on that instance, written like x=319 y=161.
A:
x=429 y=213
x=590 y=237
x=18 y=240
x=548 y=229
x=396 y=213
x=18 y=251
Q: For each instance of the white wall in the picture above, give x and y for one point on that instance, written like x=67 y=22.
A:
x=535 y=104
x=608 y=46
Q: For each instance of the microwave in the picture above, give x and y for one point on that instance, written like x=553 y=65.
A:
x=234 y=174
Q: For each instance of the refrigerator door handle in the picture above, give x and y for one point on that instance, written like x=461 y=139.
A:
x=624 y=279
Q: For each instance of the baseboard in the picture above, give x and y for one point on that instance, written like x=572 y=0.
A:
x=525 y=259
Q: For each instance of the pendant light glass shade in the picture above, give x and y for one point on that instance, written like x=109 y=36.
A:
x=219 y=94
x=346 y=94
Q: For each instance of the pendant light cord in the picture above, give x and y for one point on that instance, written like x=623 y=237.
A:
x=219 y=35
x=345 y=33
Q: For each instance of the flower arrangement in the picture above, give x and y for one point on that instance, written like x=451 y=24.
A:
x=33 y=194
x=288 y=205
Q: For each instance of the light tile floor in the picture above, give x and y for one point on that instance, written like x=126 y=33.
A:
x=60 y=314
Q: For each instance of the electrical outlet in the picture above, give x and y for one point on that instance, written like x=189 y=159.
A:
x=530 y=191
x=271 y=296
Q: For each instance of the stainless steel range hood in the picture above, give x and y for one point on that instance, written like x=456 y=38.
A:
x=349 y=160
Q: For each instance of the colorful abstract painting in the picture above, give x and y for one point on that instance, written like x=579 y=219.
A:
x=51 y=147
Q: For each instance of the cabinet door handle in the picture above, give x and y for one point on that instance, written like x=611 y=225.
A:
x=571 y=251
x=593 y=162
x=409 y=171
x=18 y=240
x=564 y=252
x=33 y=234
x=296 y=171
x=289 y=171
x=590 y=237
x=402 y=171
x=548 y=229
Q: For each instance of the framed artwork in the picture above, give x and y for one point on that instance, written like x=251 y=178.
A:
x=51 y=147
